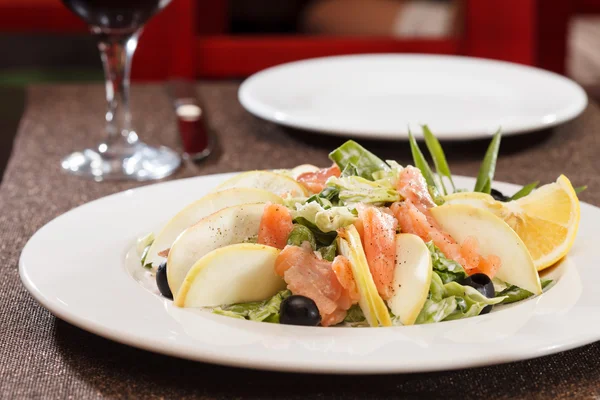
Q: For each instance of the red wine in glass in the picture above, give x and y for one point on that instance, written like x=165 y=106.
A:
x=122 y=15
x=117 y=25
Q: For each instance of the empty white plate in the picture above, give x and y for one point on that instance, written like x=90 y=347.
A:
x=83 y=267
x=381 y=96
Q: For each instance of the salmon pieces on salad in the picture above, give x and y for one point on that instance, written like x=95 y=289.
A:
x=316 y=181
x=330 y=284
x=315 y=278
x=379 y=242
x=414 y=217
x=367 y=245
x=275 y=226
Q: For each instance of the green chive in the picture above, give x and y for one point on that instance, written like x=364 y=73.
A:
x=420 y=161
x=525 y=190
x=439 y=158
x=580 y=189
x=488 y=166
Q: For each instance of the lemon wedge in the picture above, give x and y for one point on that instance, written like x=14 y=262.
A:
x=546 y=220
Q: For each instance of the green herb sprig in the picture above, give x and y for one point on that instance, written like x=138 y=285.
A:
x=439 y=158
x=486 y=173
x=525 y=190
x=485 y=177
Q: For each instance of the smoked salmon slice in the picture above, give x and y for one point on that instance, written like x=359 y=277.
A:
x=414 y=217
x=379 y=242
x=275 y=226
x=315 y=181
x=343 y=271
x=412 y=186
x=307 y=275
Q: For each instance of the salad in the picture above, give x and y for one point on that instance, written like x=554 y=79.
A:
x=363 y=242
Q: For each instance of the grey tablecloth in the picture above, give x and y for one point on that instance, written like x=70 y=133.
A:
x=44 y=357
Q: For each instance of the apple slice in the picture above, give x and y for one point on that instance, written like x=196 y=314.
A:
x=231 y=225
x=232 y=274
x=412 y=278
x=266 y=180
x=201 y=208
x=494 y=237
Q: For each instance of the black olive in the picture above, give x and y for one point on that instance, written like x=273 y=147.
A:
x=498 y=195
x=299 y=310
x=161 y=281
x=483 y=284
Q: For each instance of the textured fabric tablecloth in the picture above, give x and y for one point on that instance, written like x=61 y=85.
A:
x=44 y=357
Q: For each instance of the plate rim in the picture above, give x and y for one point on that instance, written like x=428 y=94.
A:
x=229 y=360
x=261 y=111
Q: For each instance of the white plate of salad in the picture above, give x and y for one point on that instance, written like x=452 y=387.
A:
x=383 y=96
x=363 y=266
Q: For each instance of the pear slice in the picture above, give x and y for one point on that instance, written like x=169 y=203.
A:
x=266 y=180
x=232 y=274
x=201 y=208
x=412 y=278
x=494 y=237
x=370 y=302
x=231 y=225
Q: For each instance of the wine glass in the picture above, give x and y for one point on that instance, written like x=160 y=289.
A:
x=117 y=24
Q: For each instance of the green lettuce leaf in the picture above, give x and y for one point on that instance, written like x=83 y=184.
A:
x=447 y=269
x=468 y=300
x=331 y=194
x=322 y=201
x=301 y=234
x=350 y=170
x=355 y=314
x=362 y=162
x=327 y=199
x=436 y=288
x=391 y=175
x=322 y=238
x=356 y=317
x=326 y=220
x=228 y=313
x=436 y=311
x=144 y=242
x=452 y=301
x=261 y=311
x=514 y=293
x=328 y=252
x=355 y=189
x=290 y=202
x=143 y=246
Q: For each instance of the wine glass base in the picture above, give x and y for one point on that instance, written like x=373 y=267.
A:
x=139 y=163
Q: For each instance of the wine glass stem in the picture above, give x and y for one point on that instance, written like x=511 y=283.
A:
x=116 y=52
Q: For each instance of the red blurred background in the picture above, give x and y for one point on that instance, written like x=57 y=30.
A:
x=201 y=39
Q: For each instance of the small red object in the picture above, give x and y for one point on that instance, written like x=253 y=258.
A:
x=192 y=129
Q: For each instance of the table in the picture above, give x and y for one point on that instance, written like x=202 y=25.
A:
x=44 y=357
